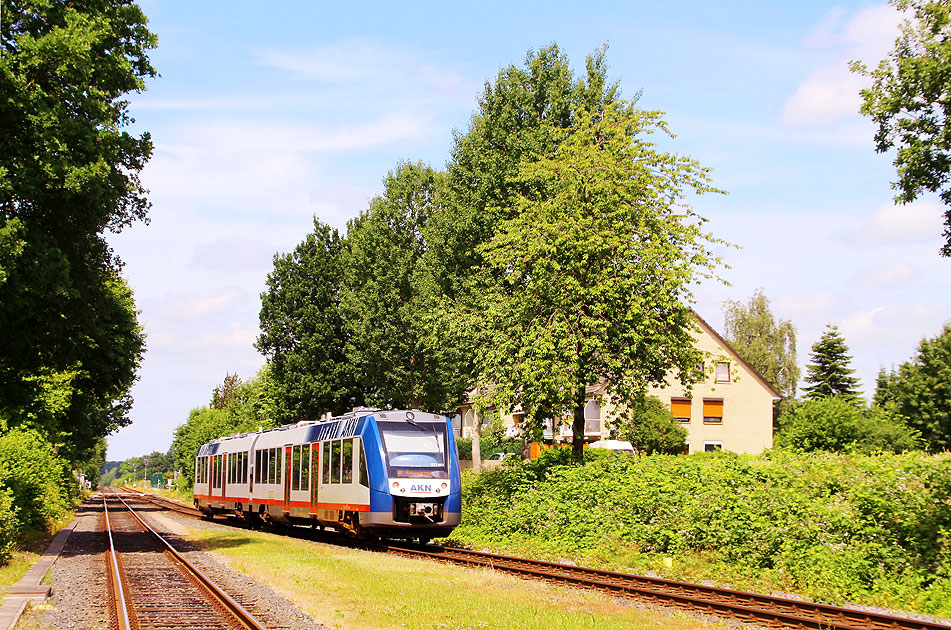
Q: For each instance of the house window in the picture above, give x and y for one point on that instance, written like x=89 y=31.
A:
x=592 y=418
x=723 y=373
x=680 y=409
x=713 y=410
x=709 y=447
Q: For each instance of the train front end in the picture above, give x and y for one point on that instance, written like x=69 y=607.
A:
x=415 y=488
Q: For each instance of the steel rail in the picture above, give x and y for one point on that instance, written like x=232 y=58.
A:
x=776 y=610
x=118 y=587
x=163 y=502
x=237 y=610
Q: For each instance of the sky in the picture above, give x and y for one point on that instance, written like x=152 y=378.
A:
x=267 y=116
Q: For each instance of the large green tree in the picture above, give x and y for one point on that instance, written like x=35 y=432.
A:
x=909 y=101
x=511 y=125
x=69 y=173
x=768 y=344
x=302 y=330
x=829 y=372
x=401 y=350
x=919 y=392
x=591 y=275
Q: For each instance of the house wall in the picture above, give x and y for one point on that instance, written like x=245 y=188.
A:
x=747 y=402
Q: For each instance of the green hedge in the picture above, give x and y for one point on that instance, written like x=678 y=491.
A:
x=864 y=528
x=36 y=486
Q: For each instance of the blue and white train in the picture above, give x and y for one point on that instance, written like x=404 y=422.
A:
x=389 y=474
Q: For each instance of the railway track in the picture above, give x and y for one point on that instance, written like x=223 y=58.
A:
x=754 y=608
x=749 y=607
x=154 y=586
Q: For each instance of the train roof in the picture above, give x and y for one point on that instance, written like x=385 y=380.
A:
x=356 y=413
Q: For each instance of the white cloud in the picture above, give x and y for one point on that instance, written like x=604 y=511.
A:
x=890 y=274
x=832 y=90
x=235 y=253
x=361 y=60
x=247 y=168
x=887 y=324
x=195 y=305
x=893 y=224
x=827 y=95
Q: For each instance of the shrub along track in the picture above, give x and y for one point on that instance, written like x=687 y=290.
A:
x=748 y=607
x=154 y=586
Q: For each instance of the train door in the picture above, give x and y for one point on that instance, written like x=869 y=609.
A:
x=288 y=457
x=314 y=475
x=224 y=477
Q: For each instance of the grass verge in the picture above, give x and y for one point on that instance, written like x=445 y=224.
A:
x=30 y=547
x=369 y=591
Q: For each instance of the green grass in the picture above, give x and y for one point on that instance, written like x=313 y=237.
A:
x=30 y=548
x=368 y=591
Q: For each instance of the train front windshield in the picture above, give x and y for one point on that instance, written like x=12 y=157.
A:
x=416 y=449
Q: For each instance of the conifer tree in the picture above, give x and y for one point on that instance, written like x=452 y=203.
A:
x=828 y=372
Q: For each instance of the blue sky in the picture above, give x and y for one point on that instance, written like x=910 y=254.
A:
x=266 y=116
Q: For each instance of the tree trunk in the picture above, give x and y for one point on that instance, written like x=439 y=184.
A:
x=477 y=442
x=577 y=430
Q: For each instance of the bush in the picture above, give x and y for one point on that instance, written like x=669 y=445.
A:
x=9 y=524
x=835 y=423
x=38 y=481
x=650 y=428
x=838 y=527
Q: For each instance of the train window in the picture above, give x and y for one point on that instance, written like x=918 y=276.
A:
x=244 y=469
x=418 y=449
x=275 y=465
x=335 y=461
x=305 y=467
x=295 y=468
x=326 y=456
x=364 y=477
x=347 y=457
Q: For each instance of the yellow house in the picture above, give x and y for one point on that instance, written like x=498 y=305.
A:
x=730 y=409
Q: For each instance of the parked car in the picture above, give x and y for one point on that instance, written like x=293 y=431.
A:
x=500 y=456
x=614 y=445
